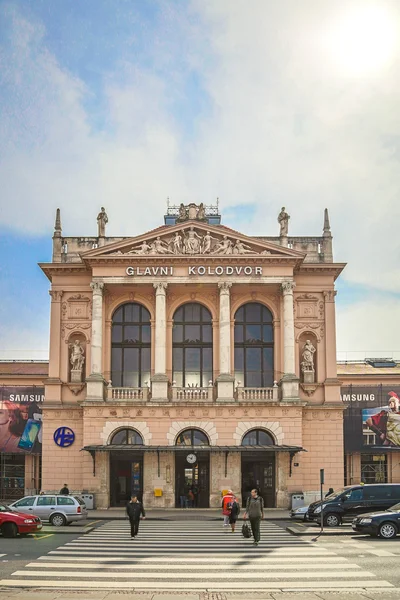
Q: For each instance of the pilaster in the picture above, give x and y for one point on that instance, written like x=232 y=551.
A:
x=159 y=381
x=289 y=381
x=225 y=380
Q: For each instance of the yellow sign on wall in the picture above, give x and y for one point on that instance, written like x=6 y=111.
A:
x=157 y=492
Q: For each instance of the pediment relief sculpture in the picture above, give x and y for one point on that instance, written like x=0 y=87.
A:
x=190 y=241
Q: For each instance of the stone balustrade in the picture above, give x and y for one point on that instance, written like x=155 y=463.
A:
x=139 y=394
x=192 y=394
x=250 y=394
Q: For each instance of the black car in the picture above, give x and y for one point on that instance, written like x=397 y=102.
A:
x=354 y=500
x=386 y=524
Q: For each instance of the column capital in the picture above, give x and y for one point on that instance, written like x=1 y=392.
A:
x=224 y=287
x=288 y=287
x=160 y=287
x=329 y=295
x=97 y=287
x=56 y=295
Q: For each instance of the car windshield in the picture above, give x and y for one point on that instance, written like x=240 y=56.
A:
x=81 y=502
x=5 y=508
x=395 y=507
x=338 y=493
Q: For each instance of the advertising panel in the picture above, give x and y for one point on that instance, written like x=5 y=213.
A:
x=21 y=419
x=372 y=418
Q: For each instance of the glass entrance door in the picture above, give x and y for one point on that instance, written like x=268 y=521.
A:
x=192 y=485
x=259 y=473
x=126 y=478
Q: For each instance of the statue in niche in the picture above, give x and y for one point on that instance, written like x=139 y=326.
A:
x=224 y=247
x=207 y=241
x=102 y=220
x=201 y=213
x=192 y=242
x=307 y=363
x=240 y=248
x=77 y=359
x=283 y=220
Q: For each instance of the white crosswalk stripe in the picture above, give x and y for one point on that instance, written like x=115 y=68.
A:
x=197 y=556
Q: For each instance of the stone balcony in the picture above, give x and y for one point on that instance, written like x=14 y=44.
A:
x=192 y=393
x=130 y=394
x=251 y=394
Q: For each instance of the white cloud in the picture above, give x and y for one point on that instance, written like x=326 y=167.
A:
x=285 y=124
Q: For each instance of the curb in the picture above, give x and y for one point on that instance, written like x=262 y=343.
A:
x=315 y=532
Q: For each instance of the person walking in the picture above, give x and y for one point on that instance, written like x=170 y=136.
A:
x=64 y=490
x=227 y=502
x=255 y=513
x=235 y=510
x=134 y=510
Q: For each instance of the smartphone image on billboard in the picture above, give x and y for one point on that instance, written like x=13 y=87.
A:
x=29 y=434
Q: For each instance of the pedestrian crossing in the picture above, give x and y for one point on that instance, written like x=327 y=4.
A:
x=192 y=556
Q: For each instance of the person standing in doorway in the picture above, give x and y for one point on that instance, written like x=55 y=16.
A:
x=227 y=502
x=255 y=512
x=135 y=510
x=64 y=490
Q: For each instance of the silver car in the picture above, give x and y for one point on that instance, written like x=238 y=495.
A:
x=299 y=514
x=59 y=510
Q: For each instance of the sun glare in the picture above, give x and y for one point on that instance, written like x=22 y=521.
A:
x=364 y=40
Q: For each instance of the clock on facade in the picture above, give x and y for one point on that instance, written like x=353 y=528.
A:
x=191 y=458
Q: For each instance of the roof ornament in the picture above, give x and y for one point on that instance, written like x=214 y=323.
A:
x=283 y=220
x=102 y=220
x=191 y=212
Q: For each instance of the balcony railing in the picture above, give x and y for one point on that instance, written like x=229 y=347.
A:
x=252 y=394
x=192 y=394
x=132 y=394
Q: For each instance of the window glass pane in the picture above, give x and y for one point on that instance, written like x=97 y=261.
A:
x=135 y=313
x=131 y=367
x=192 y=378
x=268 y=333
x=178 y=316
x=46 y=501
x=192 y=359
x=192 y=312
x=264 y=439
x=253 y=379
x=146 y=334
x=26 y=502
x=177 y=333
x=65 y=501
x=192 y=333
x=253 y=312
x=250 y=439
x=266 y=315
x=118 y=315
x=199 y=438
x=177 y=359
x=268 y=366
x=131 y=334
x=145 y=355
x=239 y=315
x=253 y=334
x=116 y=334
x=207 y=359
x=134 y=437
x=253 y=359
x=128 y=313
x=119 y=437
x=207 y=334
x=145 y=315
x=207 y=377
x=239 y=359
x=178 y=378
x=185 y=438
x=238 y=334
x=205 y=315
x=116 y=366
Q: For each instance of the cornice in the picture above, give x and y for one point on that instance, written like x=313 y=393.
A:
x=50 y=269
x=317 y=268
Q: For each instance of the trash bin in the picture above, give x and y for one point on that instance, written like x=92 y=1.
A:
x=297 y=500
x=88 y=500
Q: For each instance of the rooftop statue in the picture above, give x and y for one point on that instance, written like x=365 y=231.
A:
x=102 y=220
x=283 y=220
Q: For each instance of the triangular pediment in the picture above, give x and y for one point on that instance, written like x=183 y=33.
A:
x=192 y=239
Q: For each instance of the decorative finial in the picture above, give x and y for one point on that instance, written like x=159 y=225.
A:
x=167 y=201
x=327 y=227
x=57 y=224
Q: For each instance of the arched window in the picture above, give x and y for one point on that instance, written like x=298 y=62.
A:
x=192 y=346
x=128 y=437
x=131 y=346
x=192 y=437
x=254 y=346
x=257 y=437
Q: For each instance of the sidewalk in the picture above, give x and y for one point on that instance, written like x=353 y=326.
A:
x=182 y=514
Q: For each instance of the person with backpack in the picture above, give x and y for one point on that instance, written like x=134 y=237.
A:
x=255 y=512
x=227 y=502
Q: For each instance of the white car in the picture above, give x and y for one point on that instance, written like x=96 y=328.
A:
x=299 y=514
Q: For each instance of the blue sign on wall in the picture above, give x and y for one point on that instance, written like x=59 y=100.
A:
x=64 y=437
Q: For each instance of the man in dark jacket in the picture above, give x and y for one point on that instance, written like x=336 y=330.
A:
x=64 y=490
x=134 y=509
x=255 y=512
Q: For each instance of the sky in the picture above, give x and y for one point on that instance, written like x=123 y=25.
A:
x=123 y=103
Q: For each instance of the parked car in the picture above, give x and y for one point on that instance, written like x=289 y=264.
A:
x=386 y=524
x=299 y=514
x=13 y=522
x=354 y=500
x=59 y=510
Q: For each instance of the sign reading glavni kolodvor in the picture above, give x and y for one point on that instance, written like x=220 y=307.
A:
x=21 y=419
x=372 y=417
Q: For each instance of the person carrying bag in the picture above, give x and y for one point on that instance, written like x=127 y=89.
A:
x=255 y=512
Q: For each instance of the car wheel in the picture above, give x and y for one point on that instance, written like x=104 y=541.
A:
x=9 y=530
x=388 y=530
x=332 y=520
x=58 y=520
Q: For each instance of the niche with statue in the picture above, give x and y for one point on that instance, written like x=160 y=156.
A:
x=308 y=355
x=77 y=357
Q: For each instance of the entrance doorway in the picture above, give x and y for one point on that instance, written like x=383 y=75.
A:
x=259 y=472
x=192 y=480
x=126 y=477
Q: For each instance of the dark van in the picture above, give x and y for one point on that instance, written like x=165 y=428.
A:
x=354 y=500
